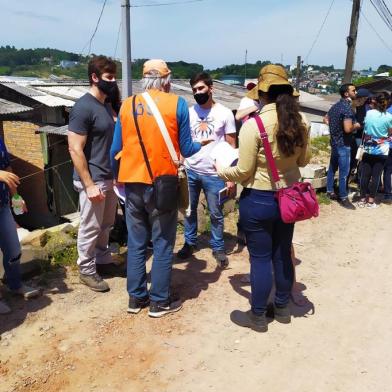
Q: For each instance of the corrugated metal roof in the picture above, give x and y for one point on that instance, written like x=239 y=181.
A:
x=51 y=101
x=321 y=106
x=40 y=96
x=54 y=130
x=7 y=107
x=27 y=91
x=67 y=92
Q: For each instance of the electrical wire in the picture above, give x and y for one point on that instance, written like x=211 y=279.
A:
x=319 y=32
x=95 y=30
x=164 y=4
x=375 y=31
x=118 y=37
x=45 y=170
x=386 y=8
x=383 y=12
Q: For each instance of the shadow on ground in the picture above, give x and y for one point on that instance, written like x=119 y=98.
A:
x=50 y=282
x=300 y=305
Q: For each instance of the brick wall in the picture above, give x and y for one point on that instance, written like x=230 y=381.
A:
x=23 y=143
x=25 y=149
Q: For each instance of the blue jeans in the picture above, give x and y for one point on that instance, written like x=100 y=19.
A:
x=268 y=240
x=211 y=185
x=388 y=176
x=340 y=159
x=144 y=222
x=10 y=247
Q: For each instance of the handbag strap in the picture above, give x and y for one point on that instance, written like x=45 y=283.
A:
x=141 y=140
x=162 y=126
x=267 y=150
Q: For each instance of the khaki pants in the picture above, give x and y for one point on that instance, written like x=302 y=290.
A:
x=96 y=219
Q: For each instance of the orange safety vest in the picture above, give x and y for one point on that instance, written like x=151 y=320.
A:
x=133 y=167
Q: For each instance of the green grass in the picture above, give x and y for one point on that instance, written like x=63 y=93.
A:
x=323 y=198
x=320 y=143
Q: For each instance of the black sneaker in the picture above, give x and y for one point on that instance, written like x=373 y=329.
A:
x=345 y=203
x=186 y=251
x=112 y=269
x=94 y=282
x=250 y=320
x=283 y=314
x=221 y=258
x=135 y=305
x=332 y=196
x=161 y=309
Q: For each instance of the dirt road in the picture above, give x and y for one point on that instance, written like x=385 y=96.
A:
x=74 y=340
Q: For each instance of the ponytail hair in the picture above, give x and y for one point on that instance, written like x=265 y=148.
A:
x=381 y=102
x=291 y=128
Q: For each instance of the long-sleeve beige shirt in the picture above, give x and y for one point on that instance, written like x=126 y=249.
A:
x=252 y=170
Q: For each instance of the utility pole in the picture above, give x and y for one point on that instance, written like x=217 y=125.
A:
x=352 y=41
x=298 y=77
x=246 y=60
x=126 y=42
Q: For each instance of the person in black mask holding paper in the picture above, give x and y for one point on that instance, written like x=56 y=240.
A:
x=211 y=121
x=90 y=134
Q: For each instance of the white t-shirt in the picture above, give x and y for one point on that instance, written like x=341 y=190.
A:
x=246 y=103
x=207 y=124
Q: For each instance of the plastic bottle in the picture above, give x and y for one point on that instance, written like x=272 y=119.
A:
x=17 y=204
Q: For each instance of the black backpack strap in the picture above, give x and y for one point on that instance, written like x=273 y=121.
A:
x=141 y=140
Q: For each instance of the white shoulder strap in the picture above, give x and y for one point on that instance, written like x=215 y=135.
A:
x=162 y=126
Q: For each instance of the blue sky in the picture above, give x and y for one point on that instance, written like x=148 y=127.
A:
x=209 y=32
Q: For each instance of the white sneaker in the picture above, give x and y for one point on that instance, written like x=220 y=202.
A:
x=361 y=203
x=372 y=205
x=26 y=291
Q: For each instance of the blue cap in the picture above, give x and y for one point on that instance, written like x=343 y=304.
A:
x=363 y=93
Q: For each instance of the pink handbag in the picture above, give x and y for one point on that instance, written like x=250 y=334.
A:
x=297 y=202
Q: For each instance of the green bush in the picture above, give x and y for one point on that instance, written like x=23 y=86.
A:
x=4 y=70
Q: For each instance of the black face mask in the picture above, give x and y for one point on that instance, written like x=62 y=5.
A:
x=106 y=87
x=201 y=98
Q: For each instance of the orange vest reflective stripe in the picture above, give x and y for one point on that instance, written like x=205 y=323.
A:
x=132 y=165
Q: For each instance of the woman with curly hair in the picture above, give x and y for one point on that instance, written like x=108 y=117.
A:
x=268 y=238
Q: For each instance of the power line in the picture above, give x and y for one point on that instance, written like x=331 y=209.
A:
x=95 y=30
x=386 y=8
x=163 y=4
x=118 y=37
x=375 y=31
x=383 y=12
x=319 y=32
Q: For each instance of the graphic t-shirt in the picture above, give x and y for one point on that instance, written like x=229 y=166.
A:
x=208 y=124
x=376 y=130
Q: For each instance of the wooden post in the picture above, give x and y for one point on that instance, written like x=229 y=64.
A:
x=352 y=41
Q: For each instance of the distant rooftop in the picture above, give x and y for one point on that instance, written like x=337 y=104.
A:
x=7 y=107
x=55 y=93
